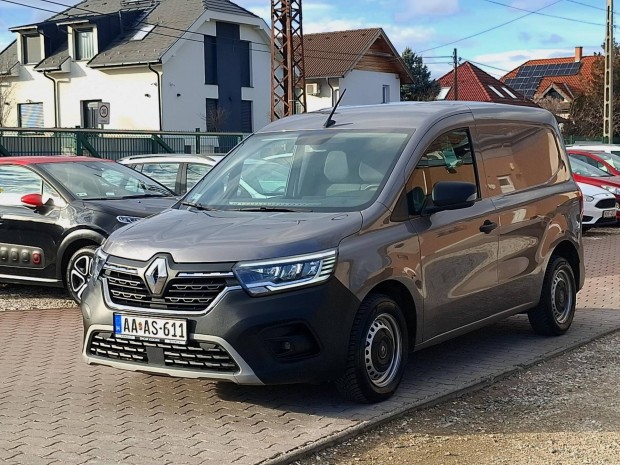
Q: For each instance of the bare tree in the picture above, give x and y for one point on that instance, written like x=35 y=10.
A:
x=215 y=118
x=554 y=105
x=6 y=94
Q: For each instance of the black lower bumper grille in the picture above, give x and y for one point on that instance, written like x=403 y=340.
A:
x=207 y=356
x=606 y=203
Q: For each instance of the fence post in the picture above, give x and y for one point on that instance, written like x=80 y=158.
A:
x=198 y=149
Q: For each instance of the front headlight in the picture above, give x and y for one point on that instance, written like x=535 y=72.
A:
x=612 y=189
x=128 y=219
x=588 y=198
x=279 y=274
x=98 y=262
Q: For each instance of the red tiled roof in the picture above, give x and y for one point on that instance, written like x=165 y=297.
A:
x=473 y=85
x=334 y=54
x=576 y=83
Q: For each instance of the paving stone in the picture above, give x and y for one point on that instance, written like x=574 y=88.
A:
x=56 y=409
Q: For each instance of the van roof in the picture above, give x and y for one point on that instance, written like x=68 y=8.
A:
x=408 y=115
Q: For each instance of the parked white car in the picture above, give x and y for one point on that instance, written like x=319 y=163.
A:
x=606 y=148
x=599 y=207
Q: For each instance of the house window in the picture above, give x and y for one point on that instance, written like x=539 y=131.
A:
x=246 y=116
x=244 y=58
x=84 y=44
x=497 y=92
x=89 y=113
x=210 y=60
x=30 y=115
x=31 y=48
x=509 y=92
x=386 y=94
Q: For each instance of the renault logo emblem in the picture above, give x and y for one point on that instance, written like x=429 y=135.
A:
x=156 y=275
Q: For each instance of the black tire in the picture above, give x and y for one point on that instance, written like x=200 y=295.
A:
x=554 y=313
x=78 y=271
x=377 y=352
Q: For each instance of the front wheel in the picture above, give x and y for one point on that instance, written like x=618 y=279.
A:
x=78 y=271
x=378 y=348
x=556 y=309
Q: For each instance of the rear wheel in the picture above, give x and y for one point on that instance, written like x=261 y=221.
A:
x=377 y=351
x=78 y=271
x=556 y=309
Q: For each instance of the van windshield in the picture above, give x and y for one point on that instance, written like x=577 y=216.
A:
x=327 y=170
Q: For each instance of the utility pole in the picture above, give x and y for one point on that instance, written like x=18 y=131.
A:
x=288 y=89
x=456 y=80
x=608 y=110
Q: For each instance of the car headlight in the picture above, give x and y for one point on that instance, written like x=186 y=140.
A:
x=128 y=219
x=612 y=189
x=98 y=262
x=279 y=274
x=588 y=198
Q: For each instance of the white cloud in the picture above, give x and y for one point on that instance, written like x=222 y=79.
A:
x=412 y=36
x=412 y=9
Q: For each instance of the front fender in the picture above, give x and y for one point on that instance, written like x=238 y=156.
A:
x=87 y=235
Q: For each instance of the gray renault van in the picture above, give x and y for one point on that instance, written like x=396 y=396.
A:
x=328 y=247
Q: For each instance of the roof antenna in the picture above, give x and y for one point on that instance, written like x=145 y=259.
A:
x=330 y=121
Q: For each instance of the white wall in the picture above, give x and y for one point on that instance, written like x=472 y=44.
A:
x=184 y=74
x=124 y=89
x=363 y=88
x=366 y=87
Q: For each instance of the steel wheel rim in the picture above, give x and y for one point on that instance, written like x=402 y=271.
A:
x=383 y=350
x=562 y=296
x=78 y=276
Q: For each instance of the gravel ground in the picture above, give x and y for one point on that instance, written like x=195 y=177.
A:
x=565 y=411
x=20 y=297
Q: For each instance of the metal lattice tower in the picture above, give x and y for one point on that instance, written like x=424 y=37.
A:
x=288 y=89
x=610 y=52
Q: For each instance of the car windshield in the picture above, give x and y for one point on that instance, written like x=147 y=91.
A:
x=611 y=158
x=327 y=170
x=583 y=169
x=93 y=180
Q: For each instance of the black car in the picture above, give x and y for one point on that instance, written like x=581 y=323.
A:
x=55 y=212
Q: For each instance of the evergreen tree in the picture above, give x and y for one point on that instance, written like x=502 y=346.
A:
x=423 y=87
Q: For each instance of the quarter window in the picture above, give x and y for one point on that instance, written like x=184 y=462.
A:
x=447 y=158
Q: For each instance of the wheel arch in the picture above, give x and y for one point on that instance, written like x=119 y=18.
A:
x=401 y=294
x=73 y=242
x=567 y=250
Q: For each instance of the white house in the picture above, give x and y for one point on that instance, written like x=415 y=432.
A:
x=362 y=61
x=160 y=64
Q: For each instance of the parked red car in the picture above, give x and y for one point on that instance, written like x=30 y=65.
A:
x=608 y=162
x=582 y=172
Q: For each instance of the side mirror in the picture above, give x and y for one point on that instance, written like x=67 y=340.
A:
x=452 y=195
x=32 y=200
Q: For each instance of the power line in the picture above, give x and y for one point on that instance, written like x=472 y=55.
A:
x=589 y=6
x=487 y=66
x=490 y=29
x=544 y=14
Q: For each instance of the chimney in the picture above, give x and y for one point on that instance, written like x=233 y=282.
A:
x=578 y=54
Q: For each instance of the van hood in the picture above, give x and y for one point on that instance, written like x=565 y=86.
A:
x=191 y=236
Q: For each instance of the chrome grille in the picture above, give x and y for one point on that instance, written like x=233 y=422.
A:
x=196 y=355
x=185 y=292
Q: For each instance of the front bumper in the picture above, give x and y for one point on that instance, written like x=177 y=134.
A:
x=298 y=336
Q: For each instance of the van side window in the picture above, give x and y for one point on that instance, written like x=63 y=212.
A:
x=447 y=158
x=518 y=157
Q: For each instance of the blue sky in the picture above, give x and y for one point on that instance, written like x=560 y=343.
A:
x=429 y=27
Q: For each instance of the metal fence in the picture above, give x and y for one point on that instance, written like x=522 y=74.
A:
x=112 y=144
x=576 y=140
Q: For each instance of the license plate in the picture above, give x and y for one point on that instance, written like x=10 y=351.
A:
x=609 y=213
x=151 y=329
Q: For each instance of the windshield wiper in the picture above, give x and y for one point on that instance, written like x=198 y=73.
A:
x=266 y=209
x=199 y=206
x=140 y=196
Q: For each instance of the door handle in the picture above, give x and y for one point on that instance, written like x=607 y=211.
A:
x=488 y=226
